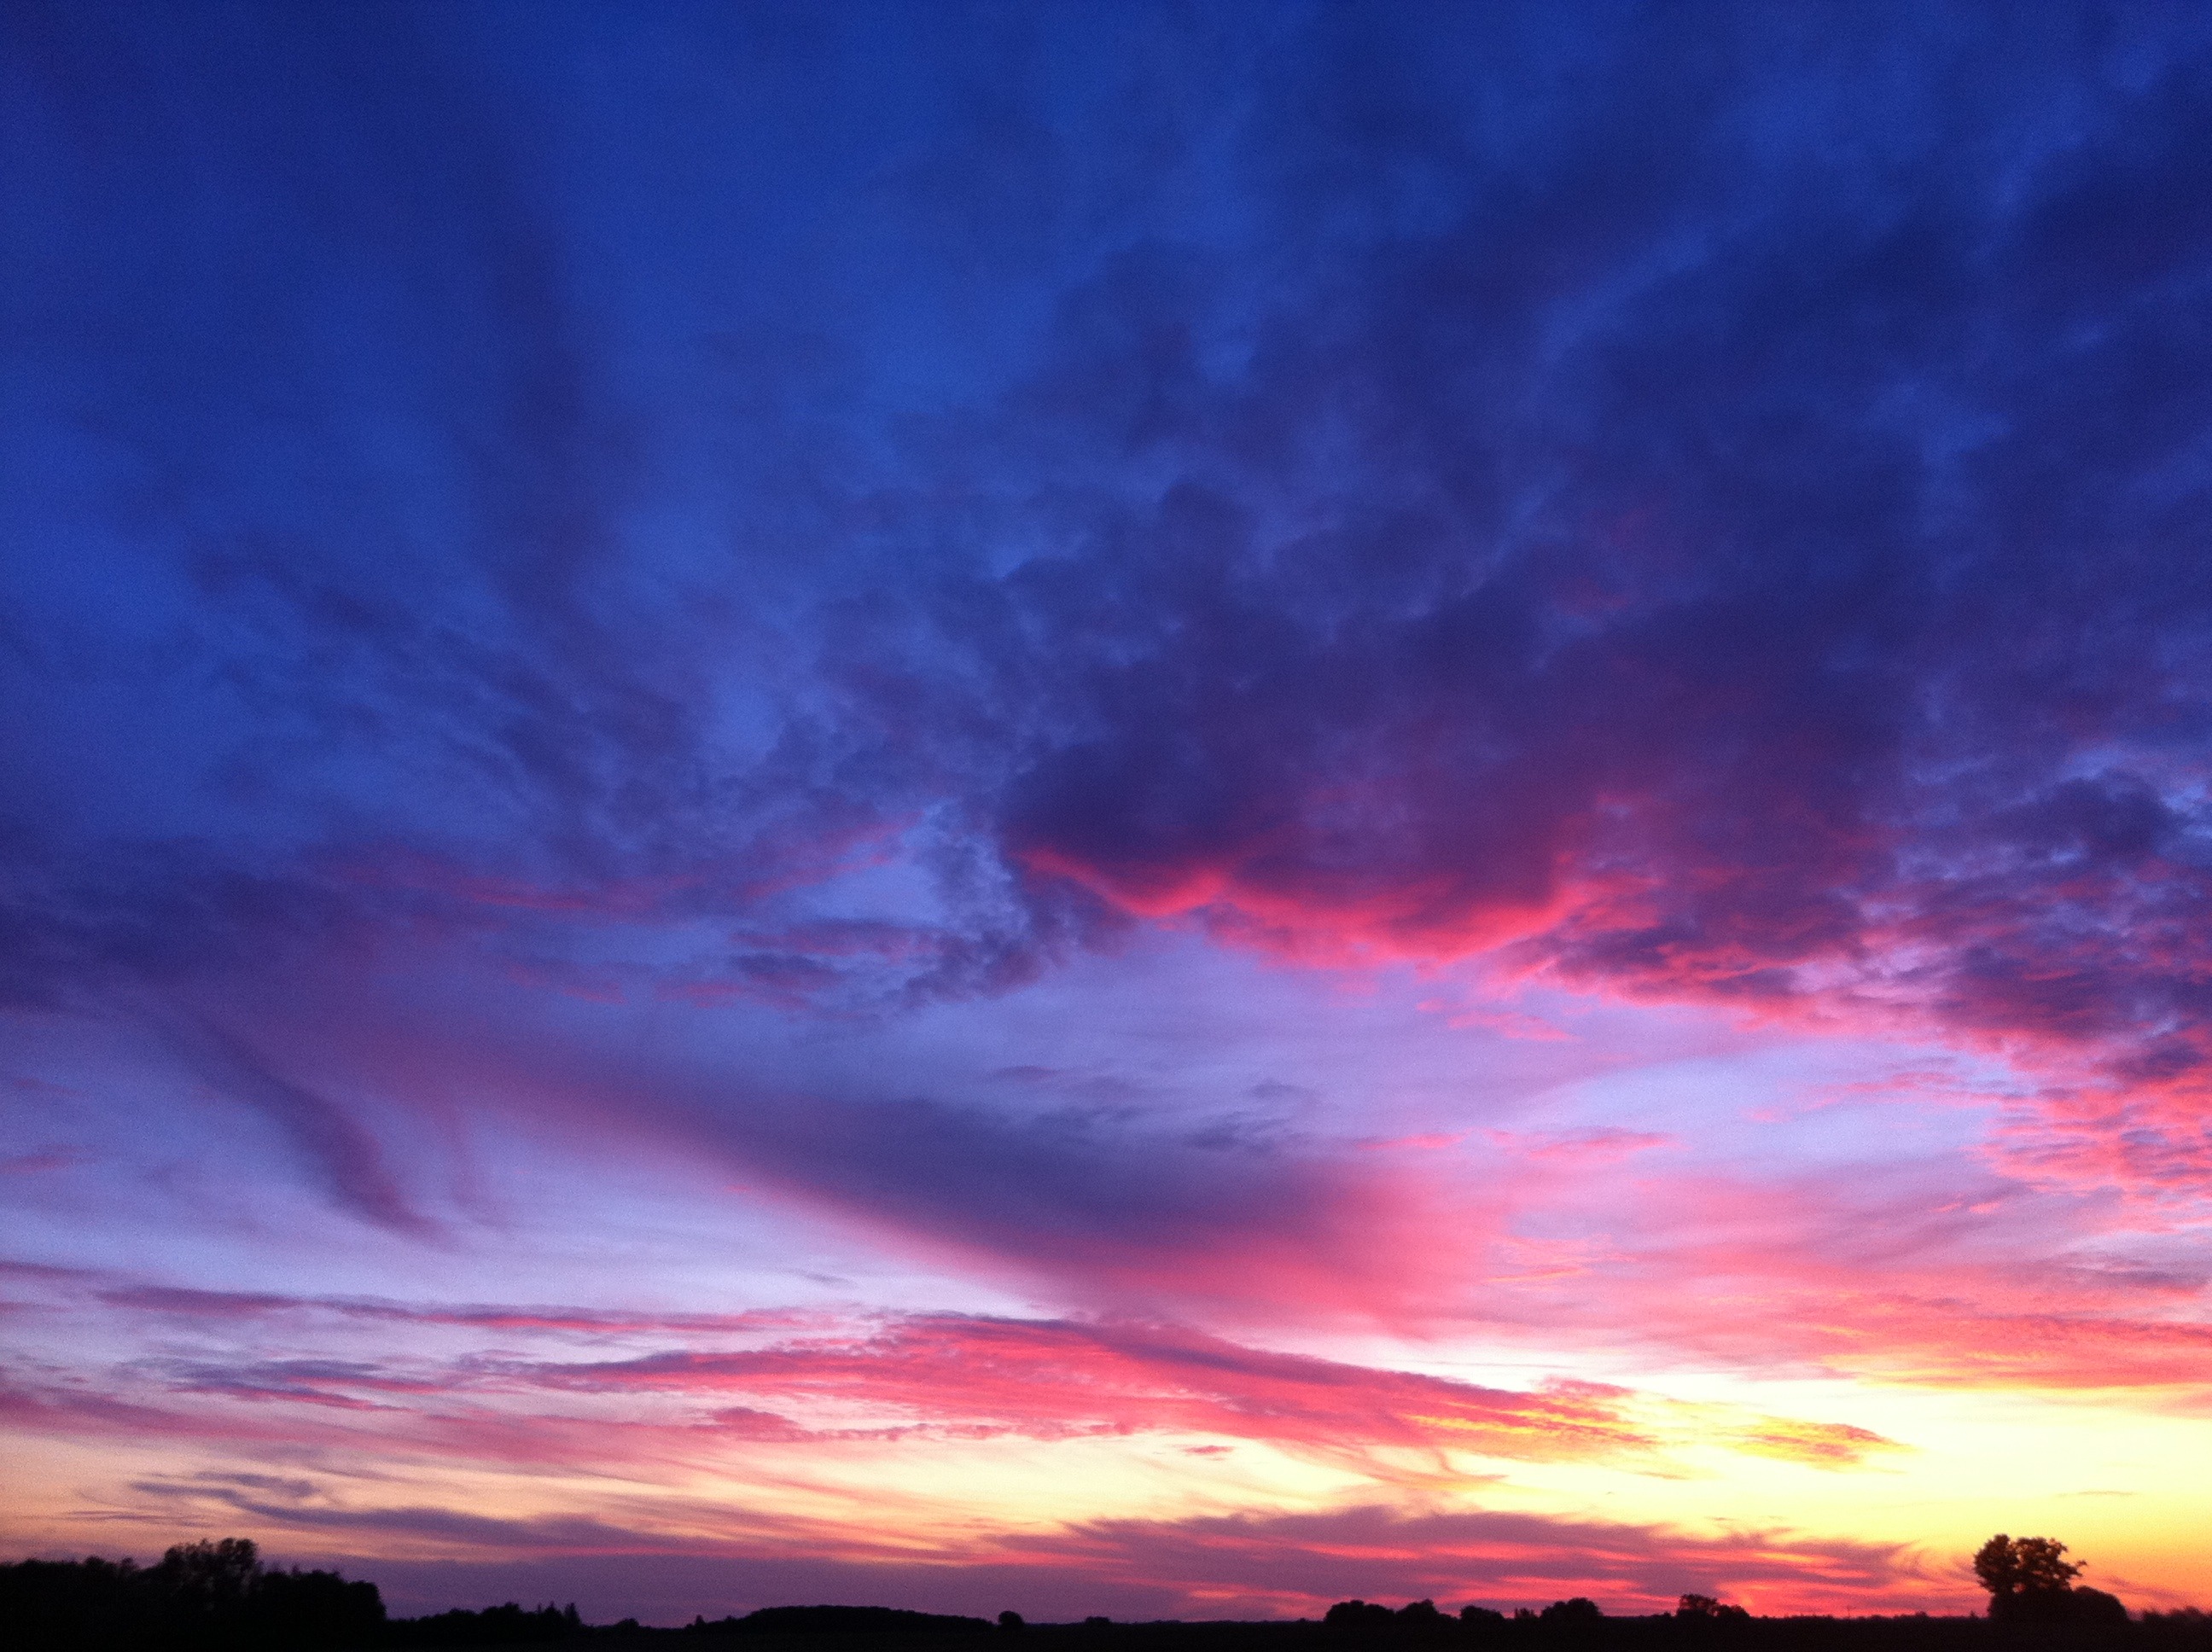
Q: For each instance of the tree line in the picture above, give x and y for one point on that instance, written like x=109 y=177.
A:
x=206 y=1596
x=201 y=1595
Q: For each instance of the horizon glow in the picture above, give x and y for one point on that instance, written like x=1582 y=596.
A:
x=1108 y=809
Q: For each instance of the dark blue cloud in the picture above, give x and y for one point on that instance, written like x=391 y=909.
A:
x=1719 y=507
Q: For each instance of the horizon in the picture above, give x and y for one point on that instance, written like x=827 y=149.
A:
x=233 y=1571
x=1166 y=812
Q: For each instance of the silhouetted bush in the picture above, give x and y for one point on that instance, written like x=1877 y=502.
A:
x=317 y=1608
x=843 y=1620
x=2079 y=1606
x=1360 y=1614
x=1418 y=1621
x=508 y=1624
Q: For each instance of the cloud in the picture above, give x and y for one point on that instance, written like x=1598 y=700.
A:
x=1623 y=548
x=51 y=1158
x=1298 y=1562
x=1058 y=1379
x=220 y=1305
x=1679 y=543
x=346 y=1156
x=888 y=1378
x=568 y=591
x=1246 y=1565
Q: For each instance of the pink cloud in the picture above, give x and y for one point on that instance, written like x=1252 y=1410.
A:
x=51 y=1158
x=1296 y=1565
x=885 y=1377
x=1053 y=1379
x=1600 y=1145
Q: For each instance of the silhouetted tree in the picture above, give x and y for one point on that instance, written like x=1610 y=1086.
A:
x=1704 y=1607
x=1417 y=1620
x=2030 y=1581
x=314 y=1608
x=71 y=1603
x=210 y=1575
x=1360 y=1614
x=2013 y=1566
x=1579 y=1612
x=202 y=1594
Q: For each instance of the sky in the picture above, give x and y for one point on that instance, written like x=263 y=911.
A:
x=1153 y=810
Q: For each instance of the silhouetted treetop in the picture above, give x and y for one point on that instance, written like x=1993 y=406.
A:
x=2010 y=1566
x=1581 y=1609
x=1706 y=1607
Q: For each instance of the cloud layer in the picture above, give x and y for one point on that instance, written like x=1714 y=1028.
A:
x=1121 y=688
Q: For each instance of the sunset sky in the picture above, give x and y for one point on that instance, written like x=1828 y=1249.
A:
x=1155 y=810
